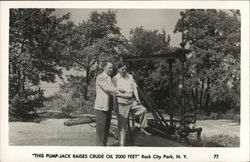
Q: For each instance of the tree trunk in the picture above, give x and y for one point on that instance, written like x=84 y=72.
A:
x=201 y=94
x=97 y=69
x=187 y=94
x=193 y=98
x=87 y=83
x=207 y=93
x=196 y=94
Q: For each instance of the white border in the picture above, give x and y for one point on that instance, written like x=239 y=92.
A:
x=24 y=153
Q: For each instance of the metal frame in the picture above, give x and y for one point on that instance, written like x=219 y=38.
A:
x=179 y=54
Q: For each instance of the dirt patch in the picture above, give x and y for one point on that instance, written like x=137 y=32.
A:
x=53 y=132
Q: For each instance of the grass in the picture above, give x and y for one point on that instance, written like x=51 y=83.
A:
x=219 y=133
x=223 y=140
x=220 y=140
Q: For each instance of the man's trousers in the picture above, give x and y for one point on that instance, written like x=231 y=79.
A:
x=103 y=119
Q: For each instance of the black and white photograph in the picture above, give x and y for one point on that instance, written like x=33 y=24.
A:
x=125 y=78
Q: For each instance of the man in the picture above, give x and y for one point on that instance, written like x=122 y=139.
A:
x=128 y=101
x=103 y=103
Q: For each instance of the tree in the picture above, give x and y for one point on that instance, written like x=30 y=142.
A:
x=94 y=40
x=153 y=75
x=147 y=42
x=36 y=42
x=213 y=68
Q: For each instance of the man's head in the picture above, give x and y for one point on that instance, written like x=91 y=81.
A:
x=122 y=69
x=108 y=68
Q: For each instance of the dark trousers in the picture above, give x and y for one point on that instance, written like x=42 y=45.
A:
x=103 y=119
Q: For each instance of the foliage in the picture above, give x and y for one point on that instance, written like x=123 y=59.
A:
x=41 y=44
x=147 y=42
x=213 y=68
x=151 y=75
x=23 y=106
x=93 y=41
x=36 y=42
x=70 y=99
x=230 y=114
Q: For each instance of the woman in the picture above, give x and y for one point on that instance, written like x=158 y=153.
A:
x=128 y=101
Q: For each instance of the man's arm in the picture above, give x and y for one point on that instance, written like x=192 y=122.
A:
x=125 y=95
x=103 y=84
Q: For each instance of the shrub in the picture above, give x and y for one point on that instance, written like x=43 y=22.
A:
x=213 y=116
x=231 y=114
x=201 y=115
x=68 y=105
x=24 y=106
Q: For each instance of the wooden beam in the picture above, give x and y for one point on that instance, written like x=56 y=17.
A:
x=150 y=57
x=178 y=54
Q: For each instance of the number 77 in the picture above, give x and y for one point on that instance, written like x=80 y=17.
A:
x=216 y=156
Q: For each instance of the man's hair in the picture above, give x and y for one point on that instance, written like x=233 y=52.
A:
x=105 y=63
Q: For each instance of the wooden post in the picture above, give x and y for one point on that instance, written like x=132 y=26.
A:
x=182 y=92
x=170 y=92
x=183 y=59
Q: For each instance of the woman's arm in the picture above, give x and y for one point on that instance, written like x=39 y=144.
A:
x=125 y=95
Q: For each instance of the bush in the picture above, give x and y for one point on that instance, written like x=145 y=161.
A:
x=68 y=105
x=231 y=114
x=24 y=106
x=201 y=115
x=213 y=116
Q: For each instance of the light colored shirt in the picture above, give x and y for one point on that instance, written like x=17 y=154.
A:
x=103 y=89
x=127 y=84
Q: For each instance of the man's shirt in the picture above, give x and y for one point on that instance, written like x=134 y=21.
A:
x=127 y=84
x=103 y=88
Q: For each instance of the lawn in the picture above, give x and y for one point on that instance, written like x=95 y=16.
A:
x=224 y=133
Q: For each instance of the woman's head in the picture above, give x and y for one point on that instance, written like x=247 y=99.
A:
x=122 y=68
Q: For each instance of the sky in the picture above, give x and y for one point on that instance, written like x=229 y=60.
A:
x=127 y=19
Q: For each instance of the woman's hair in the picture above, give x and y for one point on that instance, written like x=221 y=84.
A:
x=121 y=64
